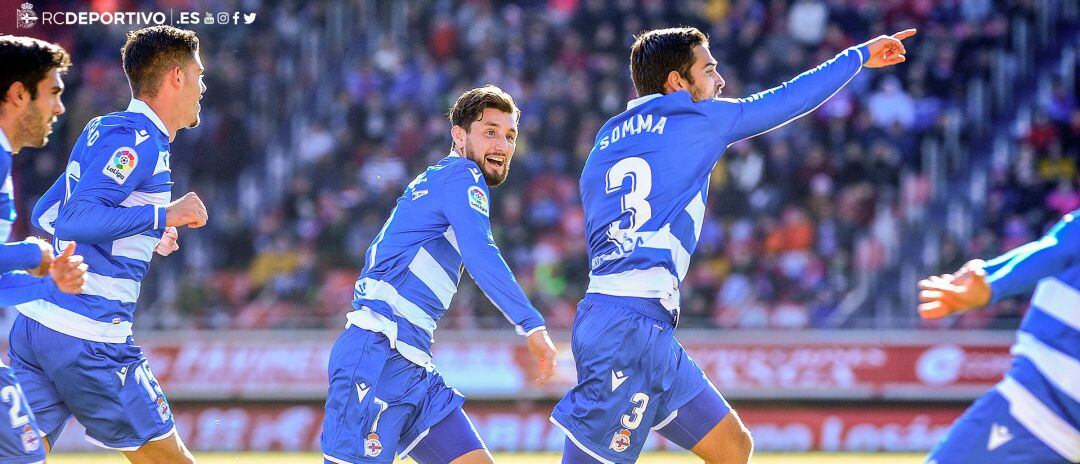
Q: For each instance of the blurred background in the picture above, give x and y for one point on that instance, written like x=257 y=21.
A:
x=800 y=301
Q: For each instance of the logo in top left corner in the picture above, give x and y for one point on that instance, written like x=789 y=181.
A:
x=25 y=18
x=121 y=164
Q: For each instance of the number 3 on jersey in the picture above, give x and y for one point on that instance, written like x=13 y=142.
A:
x=635 y=201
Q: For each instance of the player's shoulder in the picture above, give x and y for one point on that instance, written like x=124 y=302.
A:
x=454 y=168
x=121 y=128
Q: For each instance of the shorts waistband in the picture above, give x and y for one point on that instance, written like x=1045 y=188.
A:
x=648 y=307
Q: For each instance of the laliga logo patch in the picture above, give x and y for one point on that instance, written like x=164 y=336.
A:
x=31 y=441
x=478 y=200
x=620 y=441
x=372 y=446
x=121 y=164
x=163 y=408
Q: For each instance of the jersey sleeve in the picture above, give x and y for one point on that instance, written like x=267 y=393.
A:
x=466 y=206
x=769 y=109
x=47 y=207
x=19 y=255
x=20 y=287
x=116 y=166
x=1018 y=271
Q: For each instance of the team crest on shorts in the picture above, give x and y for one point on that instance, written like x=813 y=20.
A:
x=163 y=408
x=372 y=446
x=31 y=441
x=621 y=441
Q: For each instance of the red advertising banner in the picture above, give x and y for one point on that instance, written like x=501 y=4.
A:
x=797 y=365
x=525 y=427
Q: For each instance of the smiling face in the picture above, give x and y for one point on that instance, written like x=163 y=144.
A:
x=35 y=123
x=489 y=142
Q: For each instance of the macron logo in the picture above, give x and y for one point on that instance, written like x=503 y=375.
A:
x=999 y=435
x=475 y=174
x=617 y=379
x=361 y=391
x=141 y=136
x=123 y=375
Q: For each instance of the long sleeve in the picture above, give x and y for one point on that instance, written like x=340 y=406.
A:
x=94 y=212
x=467 y=210
x=19 y=255
x=1018 y=271
x=45 y=210
x=746 y=117
x=19 y=287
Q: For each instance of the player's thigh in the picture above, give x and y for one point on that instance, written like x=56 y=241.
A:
x=988 y=433
x=453 y=440
x=20 y=441
x=169 y=449
x=41 y=395
x=728 y=442
x=112 y=391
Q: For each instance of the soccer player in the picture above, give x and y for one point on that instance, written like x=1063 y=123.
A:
x=1033 y=415
x=385 y=395
x=643 y=190
x=30 y=90
x=75 y=354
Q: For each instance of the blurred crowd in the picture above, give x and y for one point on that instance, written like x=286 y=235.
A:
x=319 y=113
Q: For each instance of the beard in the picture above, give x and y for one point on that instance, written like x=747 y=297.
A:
x=34 y=128
x=492 y=179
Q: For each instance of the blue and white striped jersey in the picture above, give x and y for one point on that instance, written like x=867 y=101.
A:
x=110 y=201
x=1043 y=385
x=7 y=190
x=413 y=265
x=16 y=286
x=645 y=182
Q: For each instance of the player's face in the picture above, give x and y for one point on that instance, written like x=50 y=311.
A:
x=193 y=89
x=707 y=82
x=490 y=143
x=36 y=122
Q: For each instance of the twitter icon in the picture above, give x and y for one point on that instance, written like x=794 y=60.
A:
x=249 y=18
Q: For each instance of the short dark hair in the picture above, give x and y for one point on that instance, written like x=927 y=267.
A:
x=471 y=105
x=657 y=52
x=151 y=52
x=28 y=60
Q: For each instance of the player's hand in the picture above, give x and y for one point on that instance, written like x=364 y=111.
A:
x=68 y=271
x=544 y=351
x=168 y=244
x=888 y=50
x=948 y=294
x=46 y=257
x=189 y=211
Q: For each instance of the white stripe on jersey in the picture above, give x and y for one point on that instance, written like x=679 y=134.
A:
x=383 y=291
x=642 y=283
x=1060 y=369
x=663 y=239
x=451 y=237
x=1058 y=299
x=431 y=273
x=113 y=288
x=74 y=324
x=696 y=210
x=140 y=247
x=1040 y=420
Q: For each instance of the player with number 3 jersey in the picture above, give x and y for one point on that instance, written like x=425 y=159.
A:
x=644 y=190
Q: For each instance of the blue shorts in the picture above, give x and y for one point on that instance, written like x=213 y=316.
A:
x=988 y=433
x=20 y=440
x=633 y=376
x=381 y=404
x=108 y=387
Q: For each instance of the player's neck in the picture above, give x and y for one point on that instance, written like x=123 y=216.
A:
x=8 y=126
x=169 y=118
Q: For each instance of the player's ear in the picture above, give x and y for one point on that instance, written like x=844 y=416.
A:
x=674 y=82
x=457 y=133
x=176 y=77
x=17 y=94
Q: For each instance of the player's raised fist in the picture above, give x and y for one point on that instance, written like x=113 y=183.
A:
x=188 y=211
x=888 y=50
x=543 y=350
x=168 y=242
x=46 y=257
x=68 y=271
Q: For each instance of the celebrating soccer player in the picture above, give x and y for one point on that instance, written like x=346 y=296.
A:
x=31 y=86
x=644 y=189
x=1033 y=415
x=385 y=395
x=75 y=353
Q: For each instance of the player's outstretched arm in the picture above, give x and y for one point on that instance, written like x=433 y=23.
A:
x=28 y=254
x=766 y=110
x=979 y=283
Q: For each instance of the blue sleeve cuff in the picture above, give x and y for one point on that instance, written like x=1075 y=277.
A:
x=159 y=217
x=864 y=52
x=19 y=255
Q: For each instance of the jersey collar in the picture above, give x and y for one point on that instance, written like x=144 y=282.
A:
x=139 y=106
x=637 y=101
x=4 y=142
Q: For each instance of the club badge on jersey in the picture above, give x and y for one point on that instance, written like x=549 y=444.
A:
x=31 y=440
x=620 y=441
x=372 y=446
